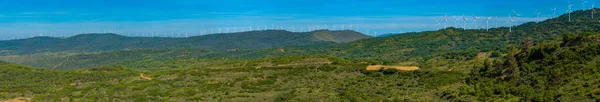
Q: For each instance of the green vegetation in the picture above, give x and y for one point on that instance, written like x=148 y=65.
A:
x=545 y=61
x=231 y=41
x=285 y=79
x=566 y=71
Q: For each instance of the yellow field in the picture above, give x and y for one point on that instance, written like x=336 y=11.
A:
x=20 y=99
x=142 y=76
x=401 y=68
x=482 y=55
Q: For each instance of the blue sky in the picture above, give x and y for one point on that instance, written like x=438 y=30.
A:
x=26 y=18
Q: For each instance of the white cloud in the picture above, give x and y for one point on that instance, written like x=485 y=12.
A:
x=43 y=13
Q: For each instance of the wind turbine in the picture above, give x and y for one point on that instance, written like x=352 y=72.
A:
x=455 y=24
x=583 y=4
x=516 y=15
x=486 y=23
x=464 y=22
x=350 y=27
x=509 y=23
x=334 y=27
x=496 y=21
x=569 y=11
x=437 y=24
x=445 y=21
x=553 y=12
x=593 y=11
x=474 y=21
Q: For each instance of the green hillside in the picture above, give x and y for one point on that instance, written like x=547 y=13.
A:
x=563 y=70
x=89 y=60
x=230 y=41
x=277 y=79
x=452 y=44
x=442 y=49
x=553 y=60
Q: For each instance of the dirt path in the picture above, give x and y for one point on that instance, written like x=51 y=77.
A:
x=401 y=68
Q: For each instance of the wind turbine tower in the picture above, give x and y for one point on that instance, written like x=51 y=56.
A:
x=486 y=23
x=569 y=11
x=496 y=21
x=474 y=21
x=318 y=27
x=593 y=11
x=455 y=24
x=553 y=12
x=333 y=27
x=464 y=22
x=445 y=21
x=350 y=27
x=437 y=24
x=510 y=20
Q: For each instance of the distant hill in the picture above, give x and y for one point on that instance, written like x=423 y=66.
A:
x=456 y=43
x=229 y=41
x=388 y=34
x=449 y=43
x=426 y=48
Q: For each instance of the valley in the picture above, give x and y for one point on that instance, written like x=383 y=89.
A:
x=552 y=60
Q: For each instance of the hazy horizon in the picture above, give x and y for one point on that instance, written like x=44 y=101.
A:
x=69 y=17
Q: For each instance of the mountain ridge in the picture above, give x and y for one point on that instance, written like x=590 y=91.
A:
x=97 y=42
